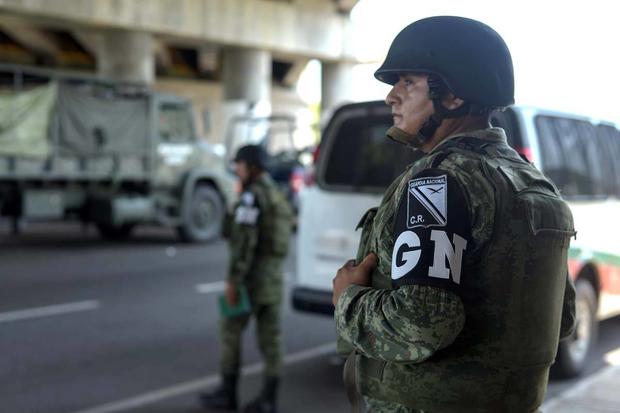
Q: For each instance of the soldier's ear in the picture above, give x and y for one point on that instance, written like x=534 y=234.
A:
x=451 y=102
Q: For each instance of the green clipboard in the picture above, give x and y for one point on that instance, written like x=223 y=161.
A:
x=242 y=308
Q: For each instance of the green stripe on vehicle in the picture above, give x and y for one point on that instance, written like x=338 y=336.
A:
x=599 y=257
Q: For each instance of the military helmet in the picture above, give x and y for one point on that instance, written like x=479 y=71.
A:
x=253 y=155
x=469 y=57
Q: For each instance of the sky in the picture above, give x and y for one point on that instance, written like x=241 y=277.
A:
x=566 y=54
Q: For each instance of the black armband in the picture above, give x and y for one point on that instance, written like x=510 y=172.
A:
x=431 y=232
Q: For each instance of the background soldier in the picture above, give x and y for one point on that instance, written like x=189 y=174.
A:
x=457 y=302
x=259 y=239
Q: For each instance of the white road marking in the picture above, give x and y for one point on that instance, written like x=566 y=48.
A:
x=48 y=311
x=613 y=357
x=199 y=384
x=220 y=286
x=214 y=287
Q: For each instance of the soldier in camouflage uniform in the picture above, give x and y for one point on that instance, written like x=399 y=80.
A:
x=259 y=240
x=460 y=290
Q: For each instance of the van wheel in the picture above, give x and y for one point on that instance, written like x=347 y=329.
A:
x=202 y=215
x=573 y=352
x=115 y=232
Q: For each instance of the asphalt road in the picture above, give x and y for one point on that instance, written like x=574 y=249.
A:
x=96 y=327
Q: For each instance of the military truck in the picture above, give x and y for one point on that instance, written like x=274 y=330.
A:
x=116 y=155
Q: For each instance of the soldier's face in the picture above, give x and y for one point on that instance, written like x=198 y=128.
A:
x=242 y=170
x=410 y=104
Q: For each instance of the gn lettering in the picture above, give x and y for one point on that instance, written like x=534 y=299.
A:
x=443 y=249
x=246 y=215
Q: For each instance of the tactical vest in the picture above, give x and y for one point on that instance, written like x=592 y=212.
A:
x=276 y=220
x=512 y=292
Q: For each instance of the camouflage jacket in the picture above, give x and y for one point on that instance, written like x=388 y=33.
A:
x=472 y=244
x=259 y=240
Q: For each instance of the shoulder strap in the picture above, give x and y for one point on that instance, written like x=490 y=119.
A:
x=260 y=195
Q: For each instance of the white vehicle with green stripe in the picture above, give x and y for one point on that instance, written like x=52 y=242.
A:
x=580 y=155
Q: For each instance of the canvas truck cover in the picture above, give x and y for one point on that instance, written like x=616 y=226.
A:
x=95 y=121
x=72 y=120
x=25 y=122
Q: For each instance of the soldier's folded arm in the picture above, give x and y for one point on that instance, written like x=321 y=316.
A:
x=408 y=324
x=423 y=312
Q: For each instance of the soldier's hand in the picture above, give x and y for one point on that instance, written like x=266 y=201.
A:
x=231 y=294
x=352 y=274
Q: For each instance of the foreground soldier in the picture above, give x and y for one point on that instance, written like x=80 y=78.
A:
x=461 y=290
x=259 y=240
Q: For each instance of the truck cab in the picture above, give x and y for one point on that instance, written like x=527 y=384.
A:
x=115 y=155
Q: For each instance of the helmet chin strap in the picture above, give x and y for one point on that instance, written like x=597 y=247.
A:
x=436 y=90
x=402 y=137
x=416 y=141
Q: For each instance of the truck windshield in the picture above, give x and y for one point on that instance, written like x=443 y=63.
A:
x=355 y=153
x=175 y=123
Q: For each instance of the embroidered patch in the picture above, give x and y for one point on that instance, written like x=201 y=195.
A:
x=427 y=202
x=247 y=198
x=246 y=215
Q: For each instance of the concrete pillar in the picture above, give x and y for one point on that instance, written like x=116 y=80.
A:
x=247 y=76
x=126 y=56
x=336 y=84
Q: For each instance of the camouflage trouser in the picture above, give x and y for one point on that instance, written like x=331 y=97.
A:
x=269 y=339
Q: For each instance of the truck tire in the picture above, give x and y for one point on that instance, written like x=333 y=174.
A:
x=115 y=232
x=573 y=352
x=202 y=216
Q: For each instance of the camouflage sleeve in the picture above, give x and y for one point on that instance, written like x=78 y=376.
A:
x=408 y=324
x=567 y=326
x=244 y=237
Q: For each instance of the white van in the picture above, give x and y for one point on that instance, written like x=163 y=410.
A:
x=356 y=163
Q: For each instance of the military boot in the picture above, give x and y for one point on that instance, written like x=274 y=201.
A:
x=266 y=401
x=224 y=397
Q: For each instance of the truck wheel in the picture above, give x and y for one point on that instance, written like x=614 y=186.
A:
x=115 y=232
x=202 y=215
x=573 y=352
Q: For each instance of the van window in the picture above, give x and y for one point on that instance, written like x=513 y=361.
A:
x=550 y=151
x=596 y=159
x=357 y=156
x=571 y=156
x=609 y=144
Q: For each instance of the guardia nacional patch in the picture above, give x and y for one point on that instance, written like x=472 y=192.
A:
x=427 y=202
x=247 y=211
x=247 y=198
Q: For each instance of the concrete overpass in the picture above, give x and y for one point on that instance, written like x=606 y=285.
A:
x=219 y=53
